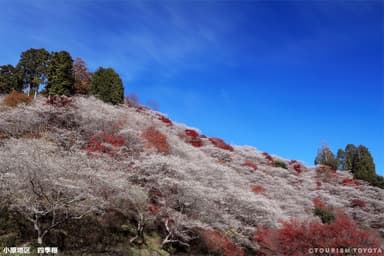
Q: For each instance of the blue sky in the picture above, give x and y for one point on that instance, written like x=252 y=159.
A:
x=283 y=76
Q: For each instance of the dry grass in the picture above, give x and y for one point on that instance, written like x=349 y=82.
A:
x=15 y=98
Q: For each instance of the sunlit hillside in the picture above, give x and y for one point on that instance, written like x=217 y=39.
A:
x=95 y=179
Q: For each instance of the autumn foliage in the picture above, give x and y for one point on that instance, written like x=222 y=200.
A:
x=166 y=120
x=105 y=143
x=268 y=157
x=156 y=140
x=192 y=137
x=58 y=101
x=295 y=238
x=251 y=164
x=219 y=143
x=258 y=189
x=350 y=182
x=15 y=98
x=219 y=244
x=81 y=75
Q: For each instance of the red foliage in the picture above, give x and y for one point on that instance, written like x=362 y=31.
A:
x=317 y=202
x=358 y=203
x=58 y=101
x=267 y=156
x=196 y=142
x=293 y=162
x=99 y=143
x=350 y=182
x=156 y=140
x=141 y=109
x=297 y=168
x=153 y=209
x=192 y=137
x=295 y=238
x=218 y=243
x=219 y=143
x=251 y=164
x=192 y=133
x=318 y=184
x=258 y=189
x=165 y=120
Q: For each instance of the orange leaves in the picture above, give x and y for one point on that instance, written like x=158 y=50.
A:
x=156 y=140
x=15 y=98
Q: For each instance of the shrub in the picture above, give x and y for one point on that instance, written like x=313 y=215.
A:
x=268 y=156
x=217 y=243
x=192 y=133
x=358 y=203
x=317 y=202
x=322 y=211
x=105 y=143
x=165 y=120
x=279 y=163
x=58 y=101
x=156 y=140
x=318 y=184
x=15 y=98
x=251 y=164
x=192 y=137
x=350 y=182
x=325 y=215
x=258 y=189
x=219 y=143
x=295 y=238
x=297 y=168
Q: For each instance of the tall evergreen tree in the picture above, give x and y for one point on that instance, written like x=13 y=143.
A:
x=364 y=167
x=60 y=74
x=9 y=79
x=32 y=68
x=360 y=162
x=325 y=156
x=107 y=85
x=350 y=157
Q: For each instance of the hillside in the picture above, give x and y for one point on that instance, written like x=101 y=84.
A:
x=96 y=179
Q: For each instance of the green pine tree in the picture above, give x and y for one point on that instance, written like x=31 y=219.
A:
x=60 y=74
x=9 y=79
x=107 y=85
x=32 y=68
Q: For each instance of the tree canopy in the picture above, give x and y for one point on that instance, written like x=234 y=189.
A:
x=9 y=79
x=60 y=74
x=325 y=156
x=32 y=68
x=107 y=85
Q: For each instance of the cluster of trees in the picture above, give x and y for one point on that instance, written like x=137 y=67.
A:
x=61 y=75
x=357 y=159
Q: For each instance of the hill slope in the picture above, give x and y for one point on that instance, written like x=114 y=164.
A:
x=117 y=180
